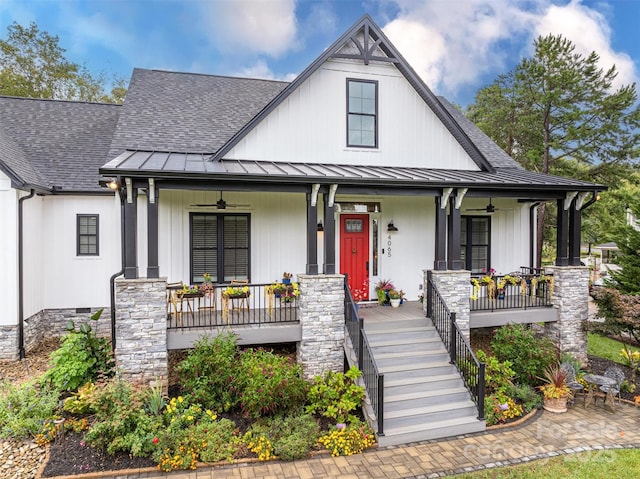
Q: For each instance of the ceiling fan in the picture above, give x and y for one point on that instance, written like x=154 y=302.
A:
x=221 y=204
x=490 y=208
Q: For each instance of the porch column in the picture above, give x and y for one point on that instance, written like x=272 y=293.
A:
x=562 y=229
x=454 y=287
x=312 y=233
x=329 y=238
x=571 y=299
x=321 y=315
x=440 y=263
x=575 y=225
x=130 y=227
x=153 y=270
x=453 y=236
x=141 y=332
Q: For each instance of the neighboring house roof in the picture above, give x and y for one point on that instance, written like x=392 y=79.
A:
x=57 y=145
x=187 y=112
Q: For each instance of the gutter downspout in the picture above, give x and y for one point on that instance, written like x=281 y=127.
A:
x=532 y=235
x=112 y=290
x=21 y=352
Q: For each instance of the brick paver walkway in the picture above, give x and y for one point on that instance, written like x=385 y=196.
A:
x=593 y=429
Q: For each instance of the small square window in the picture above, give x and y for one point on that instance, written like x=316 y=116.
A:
x=87 y=235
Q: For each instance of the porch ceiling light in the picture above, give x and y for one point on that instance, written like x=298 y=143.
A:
x=391 y=227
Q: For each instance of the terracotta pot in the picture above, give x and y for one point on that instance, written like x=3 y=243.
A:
x=557 y=405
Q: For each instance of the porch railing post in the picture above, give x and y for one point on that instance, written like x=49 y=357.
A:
x=381 y=405
x=428 y=294
x=452 y=338
x=481 y=371
x=360 y=343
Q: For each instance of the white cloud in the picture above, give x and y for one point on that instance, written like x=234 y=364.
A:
x=452 y=44
x=260 y=69
x=589 y=31
x=251 y=26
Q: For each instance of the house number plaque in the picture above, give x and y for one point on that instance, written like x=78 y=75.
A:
x=389 y=246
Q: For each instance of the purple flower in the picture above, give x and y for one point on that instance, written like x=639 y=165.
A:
x=504 y=406
x=341 y=425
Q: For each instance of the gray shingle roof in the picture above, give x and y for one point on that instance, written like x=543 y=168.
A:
x=187 y=112
x=15 y=164
x=64 y=142
x=495 y=155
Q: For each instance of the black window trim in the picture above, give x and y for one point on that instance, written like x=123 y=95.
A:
x=469 y=244
x=78 y=235
x=220 y=242
x=375 y=115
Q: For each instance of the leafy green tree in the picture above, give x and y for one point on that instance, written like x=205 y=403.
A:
x=558 y=113
x=33 y=64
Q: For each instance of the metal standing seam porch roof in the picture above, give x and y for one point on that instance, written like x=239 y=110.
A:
x=184 y=166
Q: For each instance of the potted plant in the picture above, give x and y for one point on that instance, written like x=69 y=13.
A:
x=394 y=298
x=555 y=391
x=382 y=291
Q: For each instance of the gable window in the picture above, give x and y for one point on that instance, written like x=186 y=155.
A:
x=219 y=246
x=474 y=249
x=87 y=235
x=362 y=113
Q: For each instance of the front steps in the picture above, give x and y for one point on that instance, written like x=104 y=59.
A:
x=424 y=396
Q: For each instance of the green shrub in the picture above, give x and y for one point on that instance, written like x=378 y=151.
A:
x=122 y=423
x=529 y=355
x=290 y=437
x=24 y=409
x=336 y=395
x=268 y=383
x=190 y=433
x=525 y=395
x=82 y=357
x=207 y=373
x=497 y=375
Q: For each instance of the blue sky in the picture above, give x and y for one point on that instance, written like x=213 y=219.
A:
x=456 y=46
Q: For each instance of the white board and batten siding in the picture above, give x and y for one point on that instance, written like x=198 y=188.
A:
x=310 y=125
x=73 y=281
x=278 y=231
x=8 y=252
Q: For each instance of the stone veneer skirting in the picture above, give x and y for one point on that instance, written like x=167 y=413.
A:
x=454 y=287
x=141 y=331
x=321 y=315
x=49 y=323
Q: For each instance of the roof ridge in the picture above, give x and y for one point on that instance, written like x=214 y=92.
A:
x=57 y=100
x=232 y=77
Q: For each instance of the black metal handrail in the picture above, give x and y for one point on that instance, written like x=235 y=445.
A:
x=460 y=352
x=220 y=306
x=373 y=380
x=497 y=293
x=351 y=319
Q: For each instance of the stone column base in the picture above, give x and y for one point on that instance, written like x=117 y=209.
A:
x=454 y=287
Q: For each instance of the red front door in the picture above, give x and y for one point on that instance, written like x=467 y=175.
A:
x=354 y=251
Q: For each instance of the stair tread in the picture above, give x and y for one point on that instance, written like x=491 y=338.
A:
x=408 y=354
x=451 y=406
x=412 y=329
x=418 y=380
x=393 y=368
x=400 y=341
x=424 y=394
x=445 y=423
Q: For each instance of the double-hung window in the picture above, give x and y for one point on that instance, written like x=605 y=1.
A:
x=87 y=243
x=362 y=113
x=475 y=232
x=219 y=246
